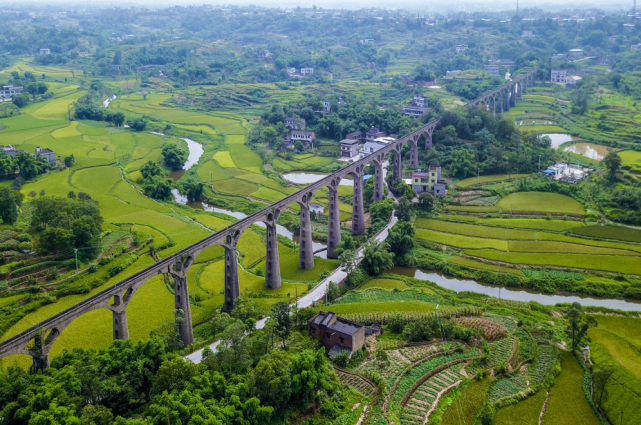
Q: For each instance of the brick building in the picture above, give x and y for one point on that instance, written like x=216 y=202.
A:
x=336 y=333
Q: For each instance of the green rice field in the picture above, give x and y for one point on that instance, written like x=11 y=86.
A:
x=472 y=181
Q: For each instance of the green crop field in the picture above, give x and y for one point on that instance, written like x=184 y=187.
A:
x=564 y=247
x=567 y=402
x=617 y=264
x=472 y=181
x=476 y=231
x=525 y=412
x=541 y=202
x=535 y=224
x=384 y=284
x=622 y=350
x=468 y=405
x=467 y=262
x=609 y=232
x=384 y=307
x=460 y=241
x=474 y=209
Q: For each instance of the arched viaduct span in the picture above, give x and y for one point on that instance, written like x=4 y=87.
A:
x=117 y=297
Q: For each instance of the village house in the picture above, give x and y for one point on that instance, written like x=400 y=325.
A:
x=294 y=123
x=83 y=54
x=628 y=27
x=575 y=54
x=452 y=73
x=306 y=137
x=429 y=182
x=336 y=333
x=264 y=55
x=349 y=148
x=570 y=82
x=7 y=148
x=417 y=107
x=375 y=145
x=290 y=71
x=460 y=48
x=558 y=76
x=492 y=69
x=306 y=71
x=7 y=92
x=527 y=34
x=47 y=154
x=44 y=52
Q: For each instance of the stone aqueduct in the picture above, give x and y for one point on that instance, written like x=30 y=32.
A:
x=117 y=297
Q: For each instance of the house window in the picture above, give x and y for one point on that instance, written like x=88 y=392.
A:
x=424 y=180
x=327 y=335
x=342 y=340
x=313 y=330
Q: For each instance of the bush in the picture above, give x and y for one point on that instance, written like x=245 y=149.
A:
x=114 y=270
x=93 y=267
x=25 y=246
x=341 y=359
x=105 y=260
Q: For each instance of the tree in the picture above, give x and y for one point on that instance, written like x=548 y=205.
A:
x=20 y=100
x=280 y=313
x=377 y=257
x=150 y=169
x=347 y=244
x=174 y=157
x=30 y=166
x=273 y=380
x=426 y=202
x=118 y=119
x=333 y=292
x=32 y=89
x=349 y=260
x=117 y=57
x=401 y=238
x=137 y=124
x=233 y=349
x=10 y=200
x=192 y=187
x=69 y=160
x=578 y=324
x=403 y=209
x=612 y=162
x=600 y=378
x=158 y=187
x=7 y=164
x=461 y=164
x=174 y=375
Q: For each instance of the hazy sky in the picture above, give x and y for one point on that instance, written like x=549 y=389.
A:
x=421 y=5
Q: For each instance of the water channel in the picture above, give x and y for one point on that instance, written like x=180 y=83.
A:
x=309 y=177
x=195 y=152
x=514 y=294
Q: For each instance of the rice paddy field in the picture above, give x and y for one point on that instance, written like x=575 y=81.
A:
x=535 y=242
x=616 y=345
x=107 y=164
x=473 y=181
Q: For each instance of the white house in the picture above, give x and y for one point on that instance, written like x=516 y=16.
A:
x=44 y=51
x=558 y=76
x=460 y=48
x=7 y=92
x=527 y=34
x=306 y=71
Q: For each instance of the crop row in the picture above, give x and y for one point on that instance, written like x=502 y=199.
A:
x=500 y=351
x=424 y=368
x=508 y=386
x=490 y=329
x=418 y=352
x=383 y=318
x=378 y=295
x=545 y=361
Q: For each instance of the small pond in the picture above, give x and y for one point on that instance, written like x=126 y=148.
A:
x=589 y=150
x=514 y=294
x=559 y=138
x=309 y=177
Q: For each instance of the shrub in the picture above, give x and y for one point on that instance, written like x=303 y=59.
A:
x=93 y=267
x=25 y=246
x=105 y=260
x=341 y=359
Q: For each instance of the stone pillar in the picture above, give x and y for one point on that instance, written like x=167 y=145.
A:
x=232 y=288
x=508 y=99
x=413 y=155
x=379 y=182
x=333 y=224
x=501 y=101
x=182 y=303
x=513 y=96
x=398 y=164
x=40 y=361
x=121 y=330
x=358 y=215
x=428 y=140
x=306 y=247
x=272 y=263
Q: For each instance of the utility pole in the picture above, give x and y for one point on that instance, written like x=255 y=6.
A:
x=478 y=176
x=75 y=250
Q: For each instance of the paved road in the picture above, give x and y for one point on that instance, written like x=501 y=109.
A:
x=315 y=294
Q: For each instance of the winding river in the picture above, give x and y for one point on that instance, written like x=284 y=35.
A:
x=514 y=294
